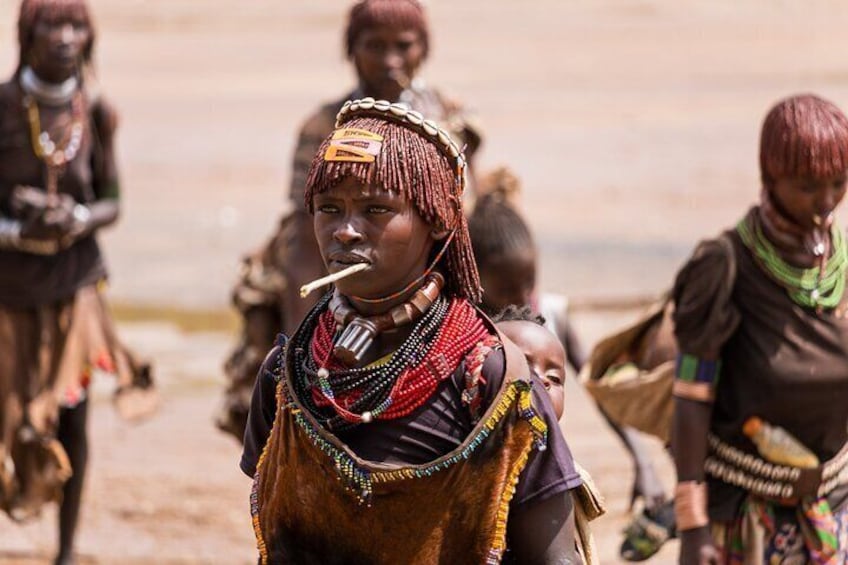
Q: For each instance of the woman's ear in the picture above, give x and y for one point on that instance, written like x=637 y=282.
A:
x=438 y=234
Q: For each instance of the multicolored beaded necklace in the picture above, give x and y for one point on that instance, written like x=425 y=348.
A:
x=813 y=287
x=341 y=398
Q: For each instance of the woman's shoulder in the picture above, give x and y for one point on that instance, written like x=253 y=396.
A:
x=712 y=263
x=105 y=116
x=704 y=313
x=322 y=120
x=10 y=95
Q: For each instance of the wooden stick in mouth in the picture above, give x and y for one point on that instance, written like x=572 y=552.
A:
x=306 y=289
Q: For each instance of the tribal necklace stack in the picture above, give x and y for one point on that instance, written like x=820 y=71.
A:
x=56 y=154
x=813 y=287
x=341 y=398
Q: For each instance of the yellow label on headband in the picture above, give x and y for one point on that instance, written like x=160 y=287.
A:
x=354 y=145
x=353 y=133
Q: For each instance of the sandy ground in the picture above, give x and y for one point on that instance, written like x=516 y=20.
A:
x=633 y=123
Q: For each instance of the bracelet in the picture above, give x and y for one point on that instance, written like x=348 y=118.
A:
x=81 y=215
x=10 y=231
x=690 y=505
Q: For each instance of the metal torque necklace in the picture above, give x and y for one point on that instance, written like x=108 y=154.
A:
x=48 y=93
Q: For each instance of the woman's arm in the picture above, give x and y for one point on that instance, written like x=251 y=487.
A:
x=689 y=448
x=543 y=533
x=105 y=209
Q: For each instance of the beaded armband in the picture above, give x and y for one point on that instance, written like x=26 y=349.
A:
x=696 y=378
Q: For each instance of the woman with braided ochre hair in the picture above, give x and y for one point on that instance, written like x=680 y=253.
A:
x=387 y=41
x=58 y=186
x=404 y=428
x=760 y=433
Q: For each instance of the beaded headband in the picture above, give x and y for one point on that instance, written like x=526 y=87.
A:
x=401 y=114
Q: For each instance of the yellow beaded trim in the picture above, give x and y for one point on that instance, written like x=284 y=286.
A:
x=539 y=426
x=497 y=415
x=525 y=405
x=254 y=494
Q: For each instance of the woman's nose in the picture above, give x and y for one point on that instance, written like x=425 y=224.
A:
x=67 y=33
x=347 y=233
x=393 y=60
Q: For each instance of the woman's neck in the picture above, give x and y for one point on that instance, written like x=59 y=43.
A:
x=798 y=246
x=47 y=92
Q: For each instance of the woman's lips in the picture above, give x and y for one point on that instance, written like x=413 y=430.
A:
x=342 y=261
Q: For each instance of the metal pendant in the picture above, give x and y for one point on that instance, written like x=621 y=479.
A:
x=355 y=340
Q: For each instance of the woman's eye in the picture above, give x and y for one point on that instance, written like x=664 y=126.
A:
x=378 y=210
x=328 y=209
x=375 y=46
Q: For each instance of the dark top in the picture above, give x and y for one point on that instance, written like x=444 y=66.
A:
x=28 y=279
x=780 y=361
x=433 y=430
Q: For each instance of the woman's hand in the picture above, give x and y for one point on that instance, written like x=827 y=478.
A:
x=697 y=547
x=45 y=217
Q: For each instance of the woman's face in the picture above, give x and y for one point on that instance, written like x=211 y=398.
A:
x=545 y=355
x=356 y=223
x=58 y=47
x=809 y=202
x=386 y=59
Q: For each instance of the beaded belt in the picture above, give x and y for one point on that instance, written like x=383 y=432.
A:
x=781 y=483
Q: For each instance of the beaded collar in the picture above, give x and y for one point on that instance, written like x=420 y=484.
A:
x=820 y=287
x=340 y=398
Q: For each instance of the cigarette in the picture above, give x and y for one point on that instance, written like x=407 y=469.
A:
x=823 y=222
x=401 y=78
x=306 y=289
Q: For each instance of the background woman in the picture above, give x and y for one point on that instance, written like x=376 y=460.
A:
x=387 y=42
x=58 y=186
x=760 y=424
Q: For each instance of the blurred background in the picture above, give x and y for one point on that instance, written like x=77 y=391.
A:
x=633 y=125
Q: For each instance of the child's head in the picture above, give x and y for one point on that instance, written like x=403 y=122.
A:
x=503 y=246
x=543 y=350
x=387 y=41
x=804 y=158
x=386 y=189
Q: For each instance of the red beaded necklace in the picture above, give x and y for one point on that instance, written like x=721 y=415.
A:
x=460 y=331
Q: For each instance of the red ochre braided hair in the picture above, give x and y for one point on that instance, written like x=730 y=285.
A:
x=399 y=14
x=803 y=136
x=35 y=11
x=417 y=160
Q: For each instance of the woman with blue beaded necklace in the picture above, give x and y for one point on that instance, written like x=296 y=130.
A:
x=396 y=410
x=761 y=425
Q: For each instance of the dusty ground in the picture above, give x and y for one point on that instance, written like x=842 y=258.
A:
x=634 y=125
